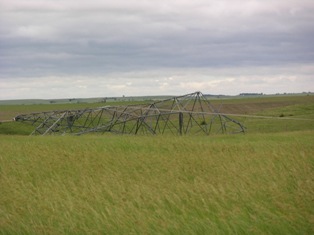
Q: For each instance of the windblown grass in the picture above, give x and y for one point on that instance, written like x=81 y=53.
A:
x=245 y=184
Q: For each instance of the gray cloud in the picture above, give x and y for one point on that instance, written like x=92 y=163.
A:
x=43 y=39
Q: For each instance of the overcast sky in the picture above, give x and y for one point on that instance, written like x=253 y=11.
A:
x=101 y=48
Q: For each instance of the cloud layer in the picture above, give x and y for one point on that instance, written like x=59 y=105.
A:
x=108 y=48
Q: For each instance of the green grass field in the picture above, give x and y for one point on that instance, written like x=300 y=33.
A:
x=261 y=182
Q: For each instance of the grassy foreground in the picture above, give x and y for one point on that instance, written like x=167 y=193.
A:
x=243 y=184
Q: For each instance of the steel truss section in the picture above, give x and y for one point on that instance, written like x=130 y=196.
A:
x=181 y=115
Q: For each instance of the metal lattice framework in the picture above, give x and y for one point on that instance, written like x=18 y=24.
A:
x=188 y=114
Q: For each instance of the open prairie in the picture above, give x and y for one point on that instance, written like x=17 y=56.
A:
x=261 y=182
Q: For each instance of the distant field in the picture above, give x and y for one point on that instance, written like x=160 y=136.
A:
x=239 y=105
x=261 y=182
x=8 y=112
x=287 y=109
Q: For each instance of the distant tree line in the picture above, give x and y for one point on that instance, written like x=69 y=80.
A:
x=243 y=94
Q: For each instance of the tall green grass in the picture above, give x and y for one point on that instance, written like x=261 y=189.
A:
x=240 y=184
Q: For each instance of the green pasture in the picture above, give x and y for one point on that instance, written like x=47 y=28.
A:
x=261 y=182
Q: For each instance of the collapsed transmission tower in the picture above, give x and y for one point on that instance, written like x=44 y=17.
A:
x=188 y=114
